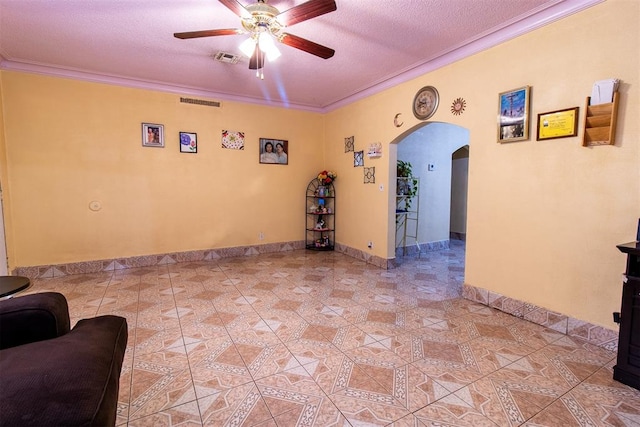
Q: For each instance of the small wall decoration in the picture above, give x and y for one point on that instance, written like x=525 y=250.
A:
x=370 y=175
x=188 y=142
x=396 y=120
x=513 y=115
x=558 y=124
x=358 y=159
x=458 y=106
x=348 y=144
x=274 y=151
x=232 y=140
x=375 y=150
x=152 y=135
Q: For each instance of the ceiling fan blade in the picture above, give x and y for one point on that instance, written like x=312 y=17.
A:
x=236 y=8
x=307 y=45
x=306 y=11
x=208 y=33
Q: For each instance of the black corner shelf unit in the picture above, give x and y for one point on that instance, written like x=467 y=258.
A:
x=320 y=211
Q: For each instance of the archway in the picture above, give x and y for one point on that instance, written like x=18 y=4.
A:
x=429 y=148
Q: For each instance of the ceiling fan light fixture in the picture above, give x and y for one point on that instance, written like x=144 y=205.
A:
x=263 y=22
x=265 y=41
x=248 y=46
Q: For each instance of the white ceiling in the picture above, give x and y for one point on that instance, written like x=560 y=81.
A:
x=377 y=43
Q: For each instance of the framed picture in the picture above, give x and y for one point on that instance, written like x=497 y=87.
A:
x=152 y=135
x=513 y=115
x=358 y=158
x=274 y=151
x=558 y=124
x=188 y=142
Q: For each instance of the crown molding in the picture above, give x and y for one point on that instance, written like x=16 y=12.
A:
x=483 y=42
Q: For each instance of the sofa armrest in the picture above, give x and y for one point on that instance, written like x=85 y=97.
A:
x=32 y=318
x=72 y=380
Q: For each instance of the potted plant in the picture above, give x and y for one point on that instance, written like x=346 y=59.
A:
x=406 y=184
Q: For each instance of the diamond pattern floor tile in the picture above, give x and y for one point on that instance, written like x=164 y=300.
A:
x=305 y=338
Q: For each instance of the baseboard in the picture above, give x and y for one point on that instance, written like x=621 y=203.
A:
x=106 y=265
x=593 y=334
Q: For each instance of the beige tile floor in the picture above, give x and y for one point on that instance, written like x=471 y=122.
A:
x=320 y=339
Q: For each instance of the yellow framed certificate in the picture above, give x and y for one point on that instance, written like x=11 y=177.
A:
x=558 y=124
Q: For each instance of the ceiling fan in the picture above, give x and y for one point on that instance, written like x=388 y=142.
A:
x=265 y=23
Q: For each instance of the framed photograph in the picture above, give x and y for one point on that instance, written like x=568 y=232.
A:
x=513 y=115
x=188 y=142
x=152 y=135
x=274 y=151
x=558 y=124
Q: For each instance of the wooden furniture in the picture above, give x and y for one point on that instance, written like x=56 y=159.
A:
x=600 y=122
x=320 y=228
x=627 y=369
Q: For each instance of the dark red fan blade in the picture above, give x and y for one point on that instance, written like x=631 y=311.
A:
x=207 y=33
x=236 y=8
x=257 y=59
x=306 y=11
x=307 y=45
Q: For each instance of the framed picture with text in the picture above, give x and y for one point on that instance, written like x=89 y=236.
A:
x=558 y=124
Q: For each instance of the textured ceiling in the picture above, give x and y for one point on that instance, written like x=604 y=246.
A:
x=377 y=43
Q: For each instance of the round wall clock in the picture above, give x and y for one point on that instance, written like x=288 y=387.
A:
x=425 y=103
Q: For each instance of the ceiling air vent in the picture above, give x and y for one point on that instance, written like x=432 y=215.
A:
x=228 y=58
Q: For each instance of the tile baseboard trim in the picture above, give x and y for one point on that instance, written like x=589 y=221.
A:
x=575 y=328
x=421 y=248
x=60 y=270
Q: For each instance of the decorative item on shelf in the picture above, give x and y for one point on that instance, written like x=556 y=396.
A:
x=320 y=224
x=375 y=150
x=327 y=177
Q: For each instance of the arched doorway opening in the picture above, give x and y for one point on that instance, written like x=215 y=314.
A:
x=429 y=147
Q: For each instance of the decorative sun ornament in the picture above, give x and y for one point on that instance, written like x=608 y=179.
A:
x=458 y=106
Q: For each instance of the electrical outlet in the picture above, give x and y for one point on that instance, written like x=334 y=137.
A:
x=370 y=245
x=261 y=236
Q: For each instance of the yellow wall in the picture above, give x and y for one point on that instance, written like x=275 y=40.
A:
x=544 y=217
x=70 y=143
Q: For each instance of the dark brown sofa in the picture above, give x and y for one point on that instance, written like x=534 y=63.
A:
x=51 y=375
